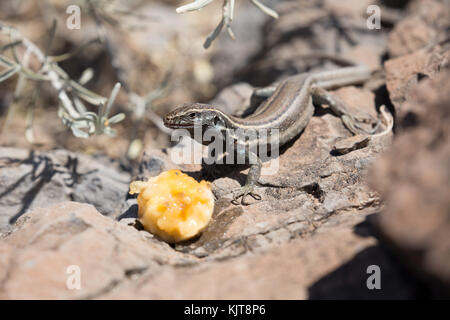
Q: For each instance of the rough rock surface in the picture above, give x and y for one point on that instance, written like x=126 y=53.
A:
x=404 y=73
x=46 y=242
x=418 y=47
x=414 y=178
x=31 y=180
x=426 y=22
x=330 y=264
x=307 y=29
x=117 y=261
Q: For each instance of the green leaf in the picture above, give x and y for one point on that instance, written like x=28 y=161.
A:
x=116 y=118
x=86 y=94
x=33 y=75
x=6 y=62
x=79 y=105
x=109 y=131
x=86 y=76
x=10 y=45
x=8 y=73
x=79 y=133
x=265 y=9
x=213 y=35
x=29 y=128
x=112 y=98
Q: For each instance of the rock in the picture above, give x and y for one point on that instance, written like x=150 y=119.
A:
x=418 y=50
x=27 y=180
x=403 y=73
x=426 y=23
x=31 y=180
x=103 y=185
x=409 y=35
x=46 y=242
x=305 y=31
x=231 y=56
x=116 y=261
x=414 y=179
x=331 y=263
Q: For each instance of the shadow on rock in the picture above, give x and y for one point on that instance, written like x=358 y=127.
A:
x=350 y=280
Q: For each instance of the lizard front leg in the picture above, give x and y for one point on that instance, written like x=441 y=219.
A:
x=212 y=165
x=252 y=179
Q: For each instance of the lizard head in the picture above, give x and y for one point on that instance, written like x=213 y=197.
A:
x=193 y=115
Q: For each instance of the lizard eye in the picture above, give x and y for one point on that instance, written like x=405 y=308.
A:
x=192 y=115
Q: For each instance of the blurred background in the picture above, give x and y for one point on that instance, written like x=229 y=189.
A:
x=151 y=50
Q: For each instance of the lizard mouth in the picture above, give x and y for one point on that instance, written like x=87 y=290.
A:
x=177 y=125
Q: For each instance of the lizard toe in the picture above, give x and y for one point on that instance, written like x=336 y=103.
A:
x=244 y=192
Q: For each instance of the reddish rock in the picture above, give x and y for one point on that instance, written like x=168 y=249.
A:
x=330 y=263
x=45 y=242
x=33 y=179
x=403 y=73
x=426 y=23
x=414 y=179
x=118 y=262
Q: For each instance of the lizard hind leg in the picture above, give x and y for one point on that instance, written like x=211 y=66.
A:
x=339 y=108
x=353 y=125
x=384 y=118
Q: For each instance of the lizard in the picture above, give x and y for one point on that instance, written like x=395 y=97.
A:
x=288 y=108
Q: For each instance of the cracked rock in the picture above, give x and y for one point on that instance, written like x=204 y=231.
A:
x=36 y=257
x=31 y=180
x=414 y=178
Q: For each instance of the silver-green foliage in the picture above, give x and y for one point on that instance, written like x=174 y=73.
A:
x=72 y=95
x=227 y=16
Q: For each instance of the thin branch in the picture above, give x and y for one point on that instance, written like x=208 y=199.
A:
x=227 y=16
x=82 y=124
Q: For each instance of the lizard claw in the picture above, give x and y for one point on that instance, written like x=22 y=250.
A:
x=244 y=192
